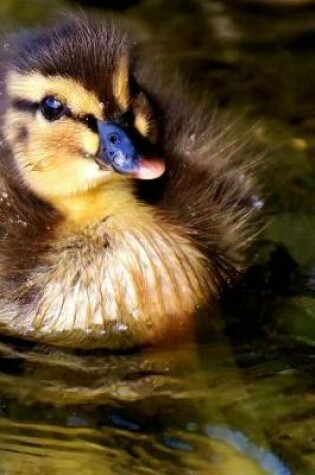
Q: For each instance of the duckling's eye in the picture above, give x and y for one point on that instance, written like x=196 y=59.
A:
x=52 y=108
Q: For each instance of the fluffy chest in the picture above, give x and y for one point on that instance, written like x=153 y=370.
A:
x=116 y=287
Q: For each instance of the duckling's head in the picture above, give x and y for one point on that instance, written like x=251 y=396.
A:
x=75 y=117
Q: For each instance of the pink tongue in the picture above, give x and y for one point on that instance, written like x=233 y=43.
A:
x=149 y=169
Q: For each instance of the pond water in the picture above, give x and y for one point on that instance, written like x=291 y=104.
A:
x=239 y=401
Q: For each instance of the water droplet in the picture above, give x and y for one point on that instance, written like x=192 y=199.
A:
x=120 y=327
x=256 y=202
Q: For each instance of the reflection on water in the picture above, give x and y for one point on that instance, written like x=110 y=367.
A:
x=241 y=405
x=185 y=410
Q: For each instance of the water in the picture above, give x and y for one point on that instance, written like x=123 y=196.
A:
x=239 y=401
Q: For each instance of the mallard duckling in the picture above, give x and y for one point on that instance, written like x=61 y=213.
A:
x=122 y=212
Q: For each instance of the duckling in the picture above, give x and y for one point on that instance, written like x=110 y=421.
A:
x=122 y=210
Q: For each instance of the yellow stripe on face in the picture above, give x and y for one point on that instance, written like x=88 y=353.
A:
x=34 y=87
x=142 y=124
x=144 y=118
x=121 y=83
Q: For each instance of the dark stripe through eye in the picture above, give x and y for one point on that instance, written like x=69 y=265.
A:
x=24 y=105
x=89 y=120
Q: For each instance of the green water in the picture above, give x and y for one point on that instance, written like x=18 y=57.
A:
x=240 y=401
